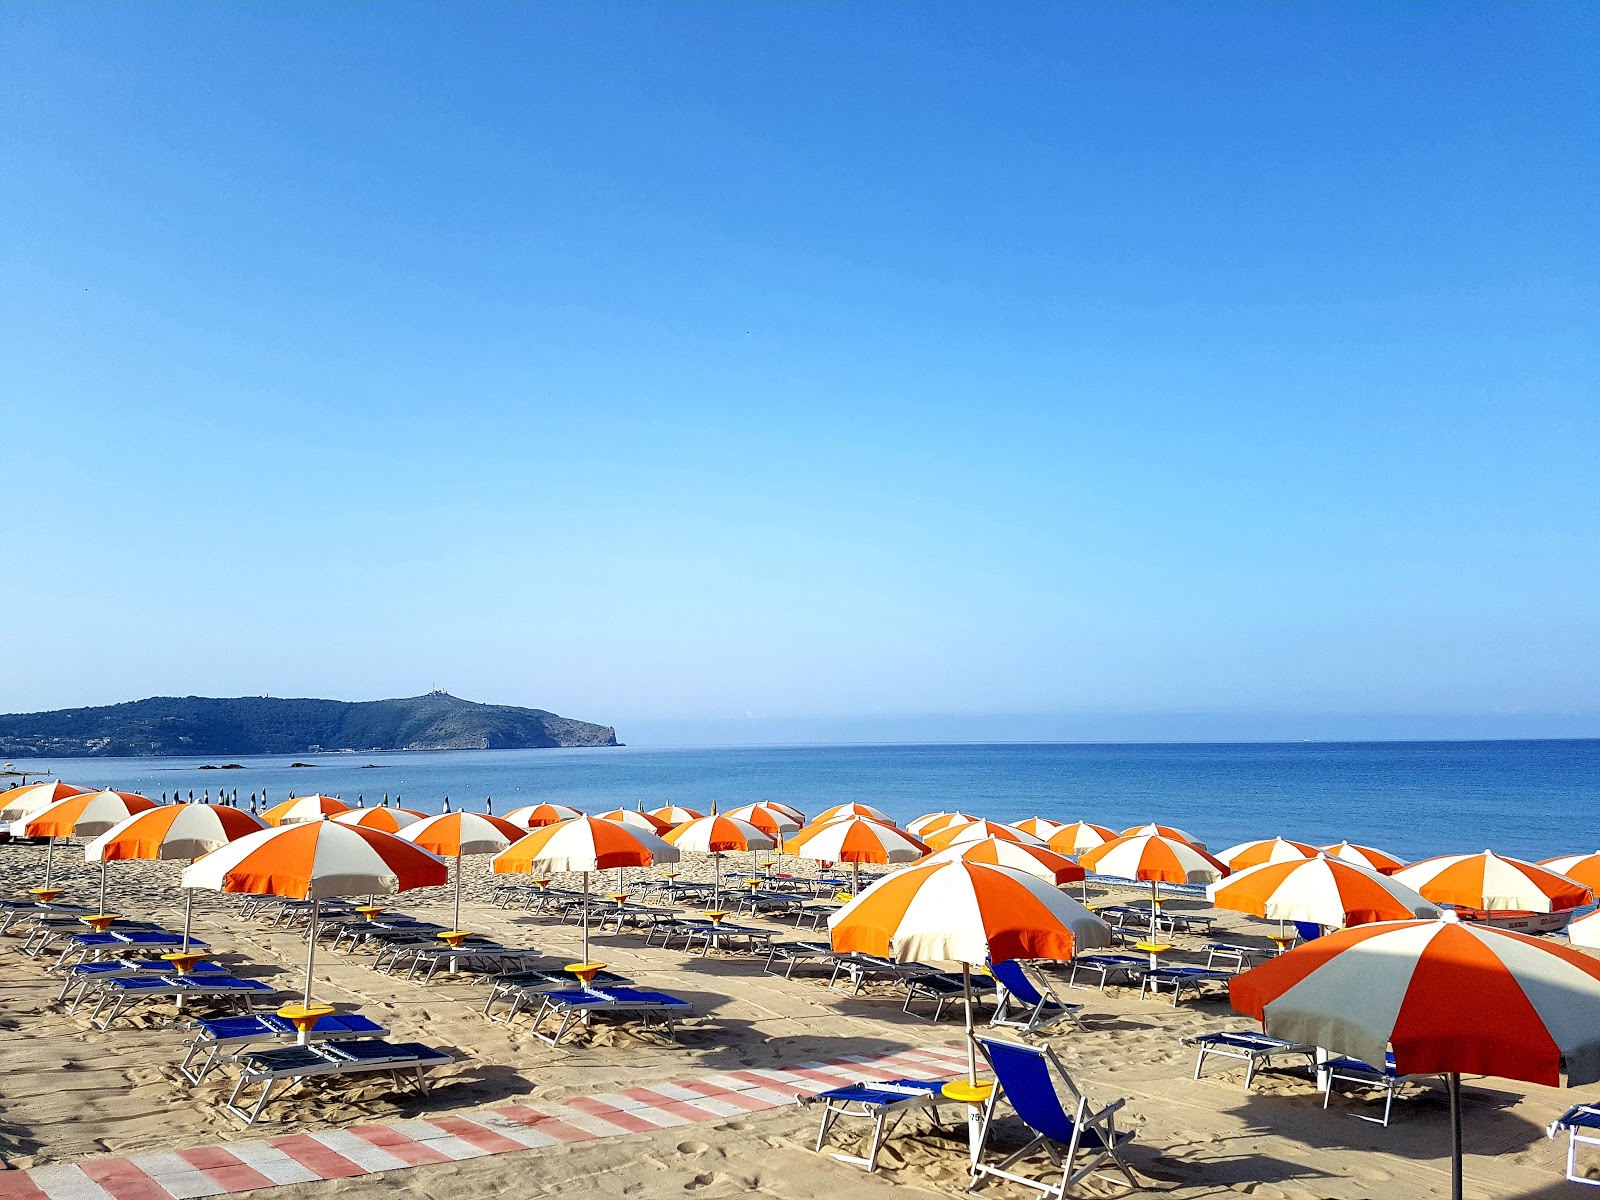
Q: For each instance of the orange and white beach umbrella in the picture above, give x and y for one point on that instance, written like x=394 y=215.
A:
x=1038 y=861
x=1584 y=868
x=451 y=835
x=854 y=840
x=717 y=835
x=19 y=804
x=769 y=820
x=1042 y=828
x=1490 y=883
x=635 y=818
x=794 y=813
x=313 y=860
x=1167 y=831
x=1364 y=856
x=1153 y=859
x=86 y=814
x=1443 y=997
x=977 y=831
x=1322 y=890
x=1079 y=836
x=675 y=815
x=304 y=808
x=1268 y=850
x=583 y=845
x=171 y=831
x=841 y=811
x=1585 y=931
x=967 y=913
x=389 y=820
x=933 y=822
x=537 y=816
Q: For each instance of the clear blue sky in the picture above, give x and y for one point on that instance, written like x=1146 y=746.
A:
x=846 y=363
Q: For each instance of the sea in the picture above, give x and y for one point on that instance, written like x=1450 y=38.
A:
x=1527 y=799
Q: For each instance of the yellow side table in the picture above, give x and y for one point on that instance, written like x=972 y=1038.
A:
x=369 y=911
x=183 y=961
x=44 y=895
x=974 y=1096
x=304 y=1018
x=1154 y=949
x=1283 y=940
x=100 y=922
x=584 y=972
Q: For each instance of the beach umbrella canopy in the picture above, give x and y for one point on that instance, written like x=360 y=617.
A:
x=1443 y=997
x=634 y=818
x=313 y=860
x=772 y=821
x=717 y=835
x=1040 y=827
x=794 y=813
x=933 y=822
x=1585 y=931
x=171 y=831
x=977 y=831
x=537 y=816
x=855 y=840
x=840 y=811
x=583 y=844
x=85 y=814
x=389 y=820
x=451 y=835
x=1153 y=859
x=304 y=808
x=967 y=913
x=1079 y=836
x=1038 y=861
x=1268 y=850
x=1364 y=856
x=1167 y=831
x=1321 y=890
x=675 y=815
x=1584 y=868
x=1493 y=884
x=20 y=803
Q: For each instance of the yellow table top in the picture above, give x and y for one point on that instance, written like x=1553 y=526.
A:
x=584 y=971
x=968 y=1093
x=99 y=922
x=454 y=937
x=305 y=1016
x=1152 y=947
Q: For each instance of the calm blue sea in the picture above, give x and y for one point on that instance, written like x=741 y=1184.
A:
x=1529 y=799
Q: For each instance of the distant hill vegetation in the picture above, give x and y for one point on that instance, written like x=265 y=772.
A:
x=199 y=725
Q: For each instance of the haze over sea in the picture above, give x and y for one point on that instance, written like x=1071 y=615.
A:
x=1529 y=799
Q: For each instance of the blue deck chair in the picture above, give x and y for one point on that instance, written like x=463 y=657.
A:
x=1077 y=1137
x=885 y=1104
x=1309 y=931
x=1028 y=999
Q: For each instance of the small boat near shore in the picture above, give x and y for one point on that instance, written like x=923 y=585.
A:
x=1518 y=920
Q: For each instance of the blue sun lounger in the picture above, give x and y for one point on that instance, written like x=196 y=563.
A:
x=80 y=977
x=212 y=1037
x=943 y=987
x=81 y=947
x=526 y=989
x=267 y=1068
x=1028 y=999
x=1353 y=1070
x=1081 y=1142
x=1153 y=979
x=577 y=1005
x=121 y=993
x=1255 y=1050
x=1107 y=965
x=1582 y=1123
x=885 y=1104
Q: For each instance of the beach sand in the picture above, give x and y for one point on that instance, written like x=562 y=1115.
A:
x=70 y=1092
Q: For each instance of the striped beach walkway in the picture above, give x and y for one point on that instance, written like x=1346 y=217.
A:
x=246 y=1166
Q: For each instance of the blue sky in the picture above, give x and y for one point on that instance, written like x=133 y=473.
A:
x=738 y=367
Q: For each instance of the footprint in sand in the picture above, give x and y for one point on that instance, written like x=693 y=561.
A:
x=699 y=1181
x=692 y=1147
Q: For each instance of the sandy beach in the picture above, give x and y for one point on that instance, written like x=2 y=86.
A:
x=71 y=1093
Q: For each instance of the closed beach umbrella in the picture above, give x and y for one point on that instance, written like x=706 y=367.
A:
x=841 y=811
x=86 y=814
x=537 y=816
x=855 y=840
x=1364 y=856
x=1167 y=831
x=1321 y=890
x=1584 y=868
x=304 y=808
x=675 y=815
x=1270 y=850
x=313 y=860
x=450 y=835
x=967 y=913
x=1153 y=859
x=171 y=831
x=389 y=820
x=583 y=844
x=933 y=822
x=1585 y=931
x=636 y=819
x=1040 y=827
x=977 y=831
x=1038 y=861
x=717 y=836
x=769 y=820
x=1491 y=883
x=1443 y=997
x=1080 y=836
x=18 y=804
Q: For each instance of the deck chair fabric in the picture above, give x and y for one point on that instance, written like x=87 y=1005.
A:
x=884 y=1103
x=1027 y=998
x=405 y=1061
x=1255 y=1050
x=212 y=1038
x=1079 y=1139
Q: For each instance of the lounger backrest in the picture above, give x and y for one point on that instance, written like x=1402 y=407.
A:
x=1015 y=980
x=1307 y=930
x=1023 y=1074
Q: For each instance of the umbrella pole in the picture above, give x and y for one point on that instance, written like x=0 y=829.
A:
x=855 y=879
x=311 y=956
x=716 y=899
x=972 y=1044
x=586 y=916
x=457 y=921
x=1155 y=900
x=102 y=886
x=188 y=915
x=49 y=859
x=1453 y=1085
